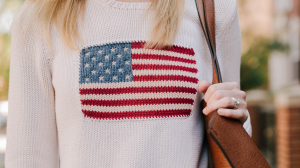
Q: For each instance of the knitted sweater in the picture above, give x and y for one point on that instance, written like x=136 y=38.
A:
x=114 y=104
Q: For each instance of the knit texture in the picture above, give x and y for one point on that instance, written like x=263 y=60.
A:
x=114 y=104
x=123 y=80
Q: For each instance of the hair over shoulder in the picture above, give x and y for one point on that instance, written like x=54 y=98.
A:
x=65 y=15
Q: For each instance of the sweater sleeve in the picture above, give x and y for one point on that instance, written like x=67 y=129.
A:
x=31 y=123
x=228 y=39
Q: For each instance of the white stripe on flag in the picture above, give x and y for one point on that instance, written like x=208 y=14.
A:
x=112 y=109
x=137 y=84
x=137 y=96
x=161 y=52
x=162 y=62
x=164 y=72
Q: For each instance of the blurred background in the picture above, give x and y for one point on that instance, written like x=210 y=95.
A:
x=270 y=74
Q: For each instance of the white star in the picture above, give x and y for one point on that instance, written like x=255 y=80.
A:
x=93 y=71
x=100 y=63
x=114 y=63
x=107 y=70
x=87 y=53
x=120 y=70
x=113 y=49
x=100 y=51
x=94 y=58
x=127 y=62
x=127 y=76
x=119 y=55
x=86 y=65
x=101 y=77
x=87 y=79
x=125 y=48
x=106 y=56
x=115 y=77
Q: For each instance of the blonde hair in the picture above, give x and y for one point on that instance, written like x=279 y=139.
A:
x=64 y=15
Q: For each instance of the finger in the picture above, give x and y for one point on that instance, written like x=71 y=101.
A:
x=239 y=114
x=220 y=86
x=219 y=94
x=225 y=102
x=203 y=85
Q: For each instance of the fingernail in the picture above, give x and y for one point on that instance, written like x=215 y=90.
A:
x=204 y=84
x=204 y=110
x=220 y=112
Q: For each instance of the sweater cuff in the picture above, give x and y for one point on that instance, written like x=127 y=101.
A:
x=247 y=125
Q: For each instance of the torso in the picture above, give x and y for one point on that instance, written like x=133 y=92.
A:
x=120 y=106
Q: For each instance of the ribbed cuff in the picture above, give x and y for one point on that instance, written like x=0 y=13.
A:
x=247 y=125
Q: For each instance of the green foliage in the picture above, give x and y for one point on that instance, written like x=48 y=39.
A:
x=4 y=65
x=254 y=63
x=6 y=8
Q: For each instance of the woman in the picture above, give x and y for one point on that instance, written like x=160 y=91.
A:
x=122 y=91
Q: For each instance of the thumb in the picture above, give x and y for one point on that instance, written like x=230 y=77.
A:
x=203 y=86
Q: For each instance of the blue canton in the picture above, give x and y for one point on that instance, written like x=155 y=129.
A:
x=106 y=63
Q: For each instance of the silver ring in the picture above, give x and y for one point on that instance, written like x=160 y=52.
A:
x=236 y=102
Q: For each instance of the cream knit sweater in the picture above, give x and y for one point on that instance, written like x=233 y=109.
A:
x=115 y=104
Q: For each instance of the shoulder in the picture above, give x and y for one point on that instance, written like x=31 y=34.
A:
x=26 y=31
x=25 y=13
x=225 y=7
x=25 y=23
x=28 y=42
x=225 y=14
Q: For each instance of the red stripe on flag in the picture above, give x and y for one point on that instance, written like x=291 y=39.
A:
x=136 y=114
x=174 y=48
x=164 y=78
x=132 y=102
x=162 y=57
x=163 y=67
x=137 y=90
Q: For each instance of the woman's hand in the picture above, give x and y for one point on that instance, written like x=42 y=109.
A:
x=219 y=96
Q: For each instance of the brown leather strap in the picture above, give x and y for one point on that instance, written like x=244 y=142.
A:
x=224 y=134
x=207 y=20
x=211 y=28
x=209 y=7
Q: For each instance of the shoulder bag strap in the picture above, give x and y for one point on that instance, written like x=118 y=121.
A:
x=206 y=14
x=207 y=20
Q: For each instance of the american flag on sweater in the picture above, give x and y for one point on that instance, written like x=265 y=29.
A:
x=126 y=81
